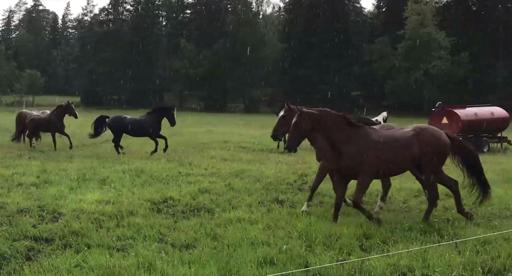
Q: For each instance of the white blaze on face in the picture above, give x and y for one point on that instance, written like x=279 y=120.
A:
x=175 y=113
x=295 y=118
x=280 y=113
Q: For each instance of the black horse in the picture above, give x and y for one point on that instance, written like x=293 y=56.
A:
x=148 y=125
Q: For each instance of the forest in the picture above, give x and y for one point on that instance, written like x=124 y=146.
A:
x=252 y=55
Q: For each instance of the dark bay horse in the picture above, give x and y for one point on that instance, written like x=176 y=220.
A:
x=21 y=123
x=283 y=125
x=148 y=125
x=356 y=152
x=51 y=123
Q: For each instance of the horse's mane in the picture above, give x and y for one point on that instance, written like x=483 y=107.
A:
x=159 y=110
x=347 y=118
x=350 y=121
x=58 y=107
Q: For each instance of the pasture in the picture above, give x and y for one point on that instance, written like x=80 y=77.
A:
x=222 y=201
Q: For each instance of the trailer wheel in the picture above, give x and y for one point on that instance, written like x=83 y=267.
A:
x=485 y=146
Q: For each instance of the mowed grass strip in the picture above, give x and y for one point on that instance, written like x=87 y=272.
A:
x=222 y=201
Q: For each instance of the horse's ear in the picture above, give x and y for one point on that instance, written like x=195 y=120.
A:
x=286 y=105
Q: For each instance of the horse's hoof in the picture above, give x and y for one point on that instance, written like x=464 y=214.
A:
x=469 y=216
x=377 y=221
x=165 y=150
x=305 y=208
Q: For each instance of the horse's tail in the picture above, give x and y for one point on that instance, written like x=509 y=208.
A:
x=16 y=137
x=99 y=126
x=18 y=132
x=469 y=162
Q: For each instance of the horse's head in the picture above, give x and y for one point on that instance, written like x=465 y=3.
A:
x=284 y=122
x=299 y=130
x=170 y=115
x=69 y=109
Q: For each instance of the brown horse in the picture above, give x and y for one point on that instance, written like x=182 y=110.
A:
x=356 y=152
x=282 y=126
x=21 y=123
x=52 y=123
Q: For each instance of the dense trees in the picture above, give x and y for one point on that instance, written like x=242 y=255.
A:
x=220 y=55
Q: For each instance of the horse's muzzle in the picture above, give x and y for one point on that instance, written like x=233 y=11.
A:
x=291 y=150
x=276 y=138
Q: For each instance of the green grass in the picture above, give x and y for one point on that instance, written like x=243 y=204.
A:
x=223 y=201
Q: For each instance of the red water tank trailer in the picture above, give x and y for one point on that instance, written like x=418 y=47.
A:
x=481 y=125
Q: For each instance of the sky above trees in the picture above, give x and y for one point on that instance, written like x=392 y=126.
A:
x=76 y=5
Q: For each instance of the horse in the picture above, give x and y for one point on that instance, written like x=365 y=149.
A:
x=21 y=123
x=379 y=120
x=353 y=151
x=282 y=127
x=382 y=118
x=148 y=125
x=52 y=123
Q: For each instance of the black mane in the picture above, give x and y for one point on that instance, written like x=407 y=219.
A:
x=160 y=110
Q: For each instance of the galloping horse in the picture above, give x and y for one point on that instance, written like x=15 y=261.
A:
x=148 y=125
x=53 y=123
x=356 y=152
x=382 y=118
x=21 y=123
x=282 y=127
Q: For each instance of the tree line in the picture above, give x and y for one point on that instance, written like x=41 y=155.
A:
x=218 y=55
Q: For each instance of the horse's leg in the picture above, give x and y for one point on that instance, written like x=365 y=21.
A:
x=339 y=185
x=30 y=140
x=165 y=140
x=116 y=141
x=432 y=196
x=386 y=186
x=320 y=176
x=156 y=145
x=452 y=185
x=363 y=183
x=54 y=141
x=63 y=133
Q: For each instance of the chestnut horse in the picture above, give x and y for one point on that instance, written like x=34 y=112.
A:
x=356 y=152
x=282 y=127
x=52 y=123
x=21 y=123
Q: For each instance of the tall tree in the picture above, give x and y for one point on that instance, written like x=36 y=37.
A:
x=67 y=52
x=8 y=73
x=423 y=59
x=145 y=44
x=207 y=32
x=483 y=29
x=178 y=55
x=245 y=53
x=7 y=32
x=389 y=19
x=322 y=48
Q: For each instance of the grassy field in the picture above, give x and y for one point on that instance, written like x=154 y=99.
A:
x=223 y=201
